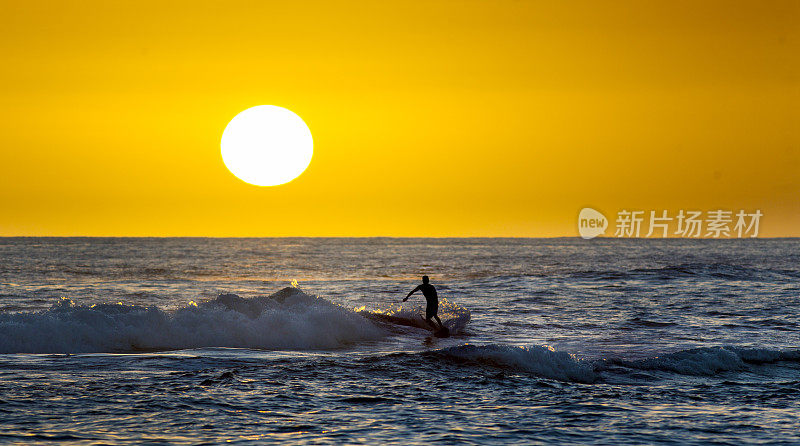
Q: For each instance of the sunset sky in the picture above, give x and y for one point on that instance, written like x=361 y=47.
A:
x=443 y=118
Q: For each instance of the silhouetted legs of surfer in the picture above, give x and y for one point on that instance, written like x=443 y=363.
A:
x=432 y=299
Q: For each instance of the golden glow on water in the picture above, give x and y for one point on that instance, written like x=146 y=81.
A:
x=505 y=118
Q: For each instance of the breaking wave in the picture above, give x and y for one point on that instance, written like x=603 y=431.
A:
x=542 y=361
x=288 y=319
x=709 y=360
x=545 y=362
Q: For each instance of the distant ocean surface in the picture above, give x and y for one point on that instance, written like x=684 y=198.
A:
x=554 y=341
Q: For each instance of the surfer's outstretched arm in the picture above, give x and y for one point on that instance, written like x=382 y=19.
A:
x=412 y=292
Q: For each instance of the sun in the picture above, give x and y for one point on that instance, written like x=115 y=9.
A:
x=267 y=145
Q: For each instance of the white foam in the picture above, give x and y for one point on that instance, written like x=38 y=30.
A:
x=452 y=315
x=543 y=361
x=289 y=319
x=711 y=360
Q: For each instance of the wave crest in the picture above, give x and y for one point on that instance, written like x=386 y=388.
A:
x=709 y=360
x=540 y=360
x=545 y=362
x=288 y=319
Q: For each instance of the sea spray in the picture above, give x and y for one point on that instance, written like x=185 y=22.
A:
x=289 y=319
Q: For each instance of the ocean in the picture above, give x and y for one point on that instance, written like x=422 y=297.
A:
x=306 y=340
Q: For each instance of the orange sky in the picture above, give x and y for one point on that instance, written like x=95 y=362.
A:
x=443 y=118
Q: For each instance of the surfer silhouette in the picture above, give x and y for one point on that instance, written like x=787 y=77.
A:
x=429 y=291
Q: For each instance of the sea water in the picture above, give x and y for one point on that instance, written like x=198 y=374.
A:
x=305 y=340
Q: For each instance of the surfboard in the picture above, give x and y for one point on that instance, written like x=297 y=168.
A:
x=411 y=320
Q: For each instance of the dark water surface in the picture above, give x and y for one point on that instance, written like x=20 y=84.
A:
x=554 y=341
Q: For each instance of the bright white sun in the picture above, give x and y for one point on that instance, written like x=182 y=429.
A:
x=267 y=145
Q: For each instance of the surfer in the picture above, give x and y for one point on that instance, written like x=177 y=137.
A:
x=432 y=298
